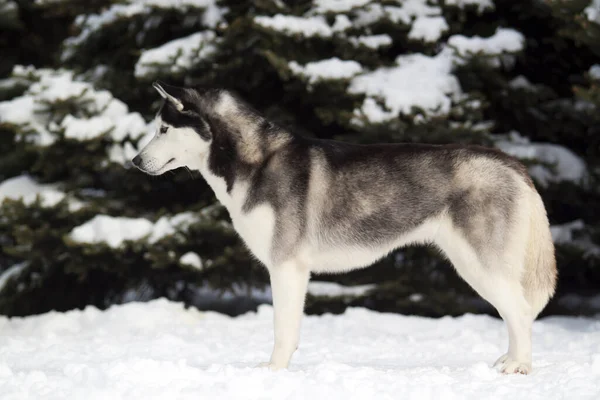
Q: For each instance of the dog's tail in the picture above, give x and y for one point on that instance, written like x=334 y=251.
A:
x=539 y=278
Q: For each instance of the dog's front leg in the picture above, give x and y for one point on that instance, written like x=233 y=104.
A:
x=289 y=282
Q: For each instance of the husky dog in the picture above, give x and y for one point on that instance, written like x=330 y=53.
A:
x=303 y=205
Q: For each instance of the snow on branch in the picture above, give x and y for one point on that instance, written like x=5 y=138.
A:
x=502 y=42
x=337 y=6
x=371 y=41
x=91 y=24
x=593 y=11
x=177 y=56
x=561 y=163
x=416 y=81
x=482 y=5
x=329 y=69
x=58 y=105
x=115 y=231
x=27 y=190
x=426 y=83
x=308 y=26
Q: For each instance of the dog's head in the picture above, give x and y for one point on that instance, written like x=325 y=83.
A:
x=207 y=127
x=183 y=133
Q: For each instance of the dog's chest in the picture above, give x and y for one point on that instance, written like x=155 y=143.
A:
x=256 y=228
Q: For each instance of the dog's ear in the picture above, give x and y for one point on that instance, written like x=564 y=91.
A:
x=172 y=94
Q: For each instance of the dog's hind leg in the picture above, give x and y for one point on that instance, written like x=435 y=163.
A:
x=289 y=282
x=497 y=282
x=508 y=298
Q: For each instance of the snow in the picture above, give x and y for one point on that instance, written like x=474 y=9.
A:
x=332 y=68
x=566 y=165
x=127 y=125
x=169 y=225
x=372 y=41
x=21 y=111
x=176 y=56
x=305 y=26
x=192 y=259
x=324 y=6
x=374 y=112
x=406 y=13
x=9 y=9
x=332 y=289
x=424 y=82
x=160 y=350
x=411 y=9
x=594 y=72
x=115 y=231
x=417 y=80
x=574 y=234
x=593 y=11
x=60 y=86
x=504 y=40
x=86 y=128
x=369 y=15
x=122 y=154
x=99 y=113
x=521 y=82
x=176 y=3
x=416 y=297
x=428 y=29
x=90 y=24
x=7 y=274
x=564 y=233
x=25 y=188
x=341 y=23
x=428 y=25
x=481 y=4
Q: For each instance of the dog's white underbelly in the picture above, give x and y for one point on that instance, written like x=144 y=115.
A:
x=320 y=257
x=257 y=228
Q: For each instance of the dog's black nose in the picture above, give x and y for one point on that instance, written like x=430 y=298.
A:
x=136 y=160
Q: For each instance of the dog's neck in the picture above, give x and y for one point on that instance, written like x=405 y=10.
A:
x=234 y=196
x=216 y=183
x=255 y=140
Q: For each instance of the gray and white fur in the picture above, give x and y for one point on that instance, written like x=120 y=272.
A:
x=303 y=205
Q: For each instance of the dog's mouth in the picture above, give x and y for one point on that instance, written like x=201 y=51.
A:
x=161 y=169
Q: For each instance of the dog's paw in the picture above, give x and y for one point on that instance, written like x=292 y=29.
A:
x=270 y=366
x=501 y=361
x=507 y=365
x=516 y=367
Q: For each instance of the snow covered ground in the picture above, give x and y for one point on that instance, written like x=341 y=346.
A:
x=158 y=350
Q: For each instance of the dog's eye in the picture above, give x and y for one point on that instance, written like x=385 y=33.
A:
x=163 y=129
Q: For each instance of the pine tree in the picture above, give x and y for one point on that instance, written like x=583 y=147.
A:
x=511 y=74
